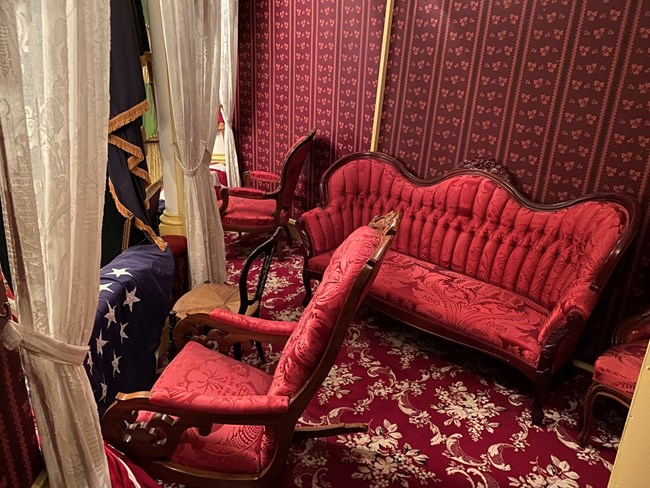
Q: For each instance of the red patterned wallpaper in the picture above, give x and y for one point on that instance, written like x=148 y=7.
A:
x=557 y=90
x=302 y=65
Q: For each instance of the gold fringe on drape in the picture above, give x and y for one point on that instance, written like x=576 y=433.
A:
x=136 y=156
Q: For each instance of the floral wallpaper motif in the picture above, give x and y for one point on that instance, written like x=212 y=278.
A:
x=557 y=90
x=303 y=65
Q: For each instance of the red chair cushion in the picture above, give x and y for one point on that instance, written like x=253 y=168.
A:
x=472 y=307
x=203 y=374
x=619 y=366
x=177 y=244
x=313 y=332
x=249 y=212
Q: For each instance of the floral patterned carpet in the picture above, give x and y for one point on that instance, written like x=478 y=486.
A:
x=439 y=414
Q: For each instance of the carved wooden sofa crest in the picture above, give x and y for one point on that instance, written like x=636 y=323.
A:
x=474 y=261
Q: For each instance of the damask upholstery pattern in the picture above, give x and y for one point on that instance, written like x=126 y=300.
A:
x=471 y=225
x=314 y=330
x=620 y=365
x=204 y=379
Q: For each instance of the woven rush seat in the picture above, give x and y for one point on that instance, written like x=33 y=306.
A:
x=209 y=296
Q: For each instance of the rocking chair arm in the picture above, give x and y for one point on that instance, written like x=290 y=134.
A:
x=274 y=331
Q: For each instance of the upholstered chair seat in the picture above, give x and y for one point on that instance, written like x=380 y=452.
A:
x=252 y=210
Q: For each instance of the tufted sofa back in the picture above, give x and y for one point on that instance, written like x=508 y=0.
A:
x=474 y=224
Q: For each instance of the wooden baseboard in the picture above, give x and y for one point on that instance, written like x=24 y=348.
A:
x=582 y=365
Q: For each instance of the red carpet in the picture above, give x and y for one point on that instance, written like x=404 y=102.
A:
x=439 y=414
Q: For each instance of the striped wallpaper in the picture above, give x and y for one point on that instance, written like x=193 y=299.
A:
x=557 y=90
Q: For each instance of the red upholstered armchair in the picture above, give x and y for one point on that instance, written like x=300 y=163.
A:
x=222 y=423
x=616 y=371
x=245 y=209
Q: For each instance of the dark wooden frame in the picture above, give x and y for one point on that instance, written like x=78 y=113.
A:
x=195 y=325
x=275 y=195
x=621 y=334
x=541 y=375
x=151 y=444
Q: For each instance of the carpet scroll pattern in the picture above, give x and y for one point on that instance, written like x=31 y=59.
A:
x=438 y=414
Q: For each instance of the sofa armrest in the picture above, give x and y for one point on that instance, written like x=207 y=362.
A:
x=324 y=227
x=577 y=302
x=252 y=326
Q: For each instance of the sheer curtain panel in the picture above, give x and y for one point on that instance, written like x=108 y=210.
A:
x=191 y=32
x=54 y=77
x=228 y=85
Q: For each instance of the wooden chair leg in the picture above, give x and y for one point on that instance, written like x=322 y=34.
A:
x=236 y=350
x=171 y=350
x=260 y=351
x=301 y=433
x=588 y=413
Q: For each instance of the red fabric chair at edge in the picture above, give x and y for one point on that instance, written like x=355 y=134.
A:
x=617 y=370
x=246 y=209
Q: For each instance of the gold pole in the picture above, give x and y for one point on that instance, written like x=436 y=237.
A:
x=381 y=81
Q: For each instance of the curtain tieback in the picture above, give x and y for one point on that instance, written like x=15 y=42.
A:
x=15 y=335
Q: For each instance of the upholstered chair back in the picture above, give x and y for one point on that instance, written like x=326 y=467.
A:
x=307 y=344
x=292 y=168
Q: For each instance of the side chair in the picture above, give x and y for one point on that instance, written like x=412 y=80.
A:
x=242 y=298
x=617 y=370
x=213 y=421
x=252 y=210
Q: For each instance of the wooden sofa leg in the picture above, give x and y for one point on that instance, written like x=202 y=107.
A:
x=542 y=389
x=287 y=233
x=590 y=398
x=171 y=349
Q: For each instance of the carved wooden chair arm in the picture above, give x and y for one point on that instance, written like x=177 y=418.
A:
x=227 y=328
x=158 y=437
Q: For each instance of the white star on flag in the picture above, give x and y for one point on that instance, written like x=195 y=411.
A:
x=100 y=343
x=110 y=315
x=116 y=363
x=131 y=298
x=104 y=391
x=105 y=287
x=122 y=333
x=89 y=361
x=119 y=272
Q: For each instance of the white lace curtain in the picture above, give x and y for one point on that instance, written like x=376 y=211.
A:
x=54 y=82
x=228 y=85
x=191 y=31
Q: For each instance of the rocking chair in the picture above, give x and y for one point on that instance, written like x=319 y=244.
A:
x=213 y=421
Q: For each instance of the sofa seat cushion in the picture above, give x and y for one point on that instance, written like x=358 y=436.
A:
x=202 y=374
x=483 y=312
x=619 y=366
x=248 y=211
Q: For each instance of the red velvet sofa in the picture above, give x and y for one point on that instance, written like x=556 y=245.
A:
x=474 y=261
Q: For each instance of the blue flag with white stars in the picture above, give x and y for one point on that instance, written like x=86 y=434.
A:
x=134 y=296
